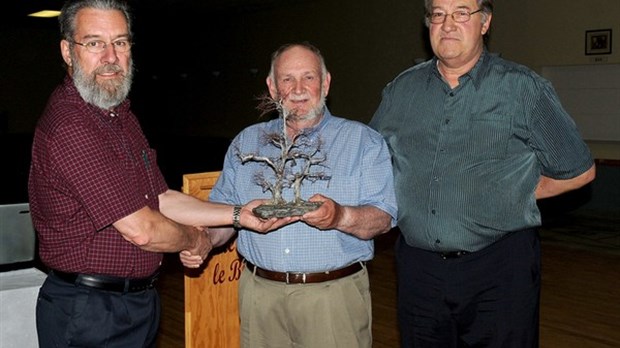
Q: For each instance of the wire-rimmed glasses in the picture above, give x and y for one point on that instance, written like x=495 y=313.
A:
x=459 y=16
x=98 y=46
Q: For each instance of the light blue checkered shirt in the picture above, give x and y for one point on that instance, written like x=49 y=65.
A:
x=358 y=161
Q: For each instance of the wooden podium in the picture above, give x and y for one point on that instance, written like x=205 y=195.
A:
x=211 y=306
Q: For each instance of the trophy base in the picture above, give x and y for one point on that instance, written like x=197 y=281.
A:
x=267 y=211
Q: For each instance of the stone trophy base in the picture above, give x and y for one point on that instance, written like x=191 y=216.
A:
x=267 y=211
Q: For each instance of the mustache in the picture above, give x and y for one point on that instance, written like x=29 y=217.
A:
x=298 y=97
x=109 y=68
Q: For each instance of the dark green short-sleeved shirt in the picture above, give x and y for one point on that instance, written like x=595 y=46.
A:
x=467 y=160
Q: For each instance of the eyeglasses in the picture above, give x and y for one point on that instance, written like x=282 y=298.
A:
x=460 y=16
x=98 y=46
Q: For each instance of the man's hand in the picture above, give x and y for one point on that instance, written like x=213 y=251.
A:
x=190 y=261
x=364 y=222
x=252 y=222
x=195 y=256
x=327 y=216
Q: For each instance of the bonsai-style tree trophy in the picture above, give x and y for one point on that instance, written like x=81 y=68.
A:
x=299 y=157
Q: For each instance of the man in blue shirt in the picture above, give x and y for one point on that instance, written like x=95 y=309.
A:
x=475 y=141
x=306 y=284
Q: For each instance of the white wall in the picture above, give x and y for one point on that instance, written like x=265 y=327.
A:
x=591 y=94
x=545 y=34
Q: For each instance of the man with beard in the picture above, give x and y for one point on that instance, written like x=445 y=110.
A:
x=99 y=203
x=306 y=284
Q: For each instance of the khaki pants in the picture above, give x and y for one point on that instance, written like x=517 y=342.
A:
x=335 y=313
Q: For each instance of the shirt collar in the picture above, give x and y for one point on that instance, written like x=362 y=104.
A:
x=479 y=71
x=476 y=74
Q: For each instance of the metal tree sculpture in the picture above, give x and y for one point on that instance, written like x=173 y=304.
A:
x=299 y=155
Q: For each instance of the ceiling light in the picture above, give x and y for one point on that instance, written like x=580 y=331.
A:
x=45 y=14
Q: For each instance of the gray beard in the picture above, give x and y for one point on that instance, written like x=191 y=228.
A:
x=106 y=95
x=312 y=114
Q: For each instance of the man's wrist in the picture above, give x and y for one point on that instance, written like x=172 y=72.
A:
x=237 y=217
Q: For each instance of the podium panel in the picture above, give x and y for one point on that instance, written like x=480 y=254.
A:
x=19 y=290
x=211 y=295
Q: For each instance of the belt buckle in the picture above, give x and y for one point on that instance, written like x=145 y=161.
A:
x=141 y=285
x=445 y=256
x=303 y=277
x=153 y=280
x=452 y=254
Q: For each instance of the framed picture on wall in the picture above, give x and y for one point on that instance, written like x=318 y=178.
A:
x=598 y=41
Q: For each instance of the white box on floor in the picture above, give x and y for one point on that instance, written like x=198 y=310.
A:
x=18 y=298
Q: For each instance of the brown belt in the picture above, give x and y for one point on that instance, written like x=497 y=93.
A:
x=304 y=278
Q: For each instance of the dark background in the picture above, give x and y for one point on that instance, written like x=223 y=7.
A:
x=201 y=64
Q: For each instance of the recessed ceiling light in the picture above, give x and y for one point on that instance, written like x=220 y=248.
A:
x=45 y=14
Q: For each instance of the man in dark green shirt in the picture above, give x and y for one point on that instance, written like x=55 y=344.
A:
x=475 y=141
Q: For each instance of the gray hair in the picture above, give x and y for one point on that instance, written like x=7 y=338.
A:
x=71 y=8
x=485 y=5
x=275 y=55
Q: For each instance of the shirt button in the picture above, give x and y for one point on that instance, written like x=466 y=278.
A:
x=146 y=196
x=438 y=241
x=433 y=211
x=287 y=250
x=447 y=120
x=452 y=94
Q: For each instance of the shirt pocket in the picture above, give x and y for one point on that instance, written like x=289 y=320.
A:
x=343 y=189
x=148 y=160
x=489 y=136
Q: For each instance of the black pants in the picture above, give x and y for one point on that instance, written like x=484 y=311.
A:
x=75 y=316
x=488 y=298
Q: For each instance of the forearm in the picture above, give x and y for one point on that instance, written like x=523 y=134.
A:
x=191 y=211
x=151 y=231
x=219 y=236
x=172 y=237
x=548 y=187
x=364 y=222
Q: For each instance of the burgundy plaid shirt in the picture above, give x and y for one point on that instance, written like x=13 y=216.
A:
x=91 y=167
